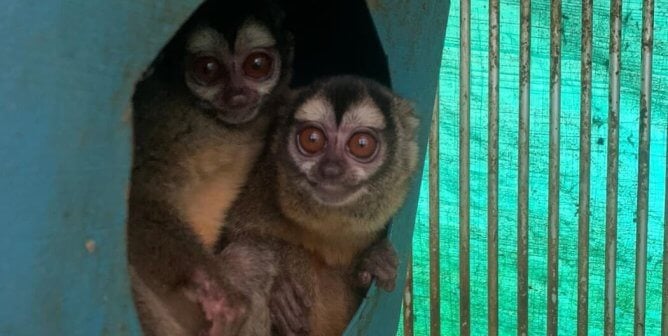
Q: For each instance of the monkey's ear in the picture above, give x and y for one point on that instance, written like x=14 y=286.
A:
x=409 y=122
x=407 y=117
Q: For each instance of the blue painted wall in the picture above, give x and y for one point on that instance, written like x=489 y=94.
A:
x=69 y=69
x=412 y=33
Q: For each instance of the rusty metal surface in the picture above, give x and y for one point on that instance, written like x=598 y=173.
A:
x=464 y=168
x=643 y=166
x=493 y=172
x=434 y=226
x=523 y=172
x=584 y=178
x=613 y=163
x=553 y=179
x=408 y=300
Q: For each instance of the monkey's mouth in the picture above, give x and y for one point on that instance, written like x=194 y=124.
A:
x=236 y=115
x=334 y=194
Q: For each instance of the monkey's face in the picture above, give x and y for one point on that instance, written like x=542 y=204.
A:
x=232 y=78
x=337 y=148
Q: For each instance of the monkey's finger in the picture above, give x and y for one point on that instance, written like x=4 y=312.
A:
x=281 y=324
x=301 y=293
x=291 y=293
x=386 y=285
x=292 y=315
x=289 y=322
x=385 y=257
x=285 y=305
x=364 y=278
x=285 y=300
x=389 y=271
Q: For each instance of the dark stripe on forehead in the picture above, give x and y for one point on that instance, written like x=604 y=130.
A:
x=228 y=16
x=380 y=97
x=342 y=94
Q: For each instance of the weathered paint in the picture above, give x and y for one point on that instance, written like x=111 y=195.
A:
x=554 y=163
x=523 y=171
x=584 y=185
x=612 y=179
x=69 y=69
x=412 y=35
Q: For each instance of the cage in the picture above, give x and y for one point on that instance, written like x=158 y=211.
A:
x=552 y=182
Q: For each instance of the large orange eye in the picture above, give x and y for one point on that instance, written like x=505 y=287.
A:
x=207 y=69
x=362 y=145
x=258 y=65
x=311 y=140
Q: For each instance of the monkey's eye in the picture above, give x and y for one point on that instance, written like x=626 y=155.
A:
x=258 y=65
x=362 y=145
x=207 y=69
x=311 y=140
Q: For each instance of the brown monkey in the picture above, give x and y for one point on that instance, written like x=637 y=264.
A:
x=306 y=233
x=200 y=122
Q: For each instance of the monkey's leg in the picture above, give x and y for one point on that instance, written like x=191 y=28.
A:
x=380 y=261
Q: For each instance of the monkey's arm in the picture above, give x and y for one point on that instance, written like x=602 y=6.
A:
x=163 y=256
x=379 y=261
x=161 y=248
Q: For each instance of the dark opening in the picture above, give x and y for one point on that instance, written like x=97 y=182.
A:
x=334 y=37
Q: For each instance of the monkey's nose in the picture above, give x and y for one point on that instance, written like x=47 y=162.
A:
x=238 y=100
x=331 y=170
x=236 y=97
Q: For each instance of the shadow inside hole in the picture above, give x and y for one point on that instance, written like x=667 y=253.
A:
x=335 y=37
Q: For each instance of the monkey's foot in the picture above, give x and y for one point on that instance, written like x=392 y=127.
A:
x=379 y=262
x=290 y=305
x=223 y=316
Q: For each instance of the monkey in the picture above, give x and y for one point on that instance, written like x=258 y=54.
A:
x=200 y=121
x=306 y=234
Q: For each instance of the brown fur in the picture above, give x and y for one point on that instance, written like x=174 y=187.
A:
x=187 y=171
x=188 y=168
x=317 y=245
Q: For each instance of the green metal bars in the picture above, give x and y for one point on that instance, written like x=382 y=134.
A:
x=526 y=308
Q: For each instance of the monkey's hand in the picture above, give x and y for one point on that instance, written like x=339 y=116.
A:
x=225 y=318
x=380 y=261
x=289 y=305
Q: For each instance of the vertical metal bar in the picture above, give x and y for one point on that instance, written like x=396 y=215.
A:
x=585 y=157
x=408 y=299
x=553 y=178
x=643 y=165
x=493 y=173
x=523 y=173
x=612 y=172
x=464 y=141
x=664 y=291
x=434 y=227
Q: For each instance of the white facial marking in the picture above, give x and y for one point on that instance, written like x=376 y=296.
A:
x=253 y=35
x=364 y=114
x=205 y=39
x=316 y=109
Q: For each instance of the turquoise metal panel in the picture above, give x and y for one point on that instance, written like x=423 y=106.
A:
x=412 y=33
x=68 y=71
